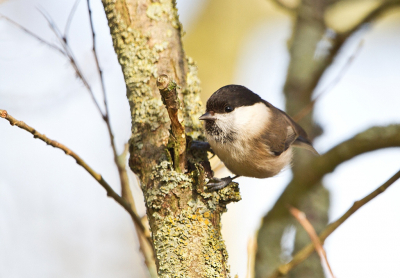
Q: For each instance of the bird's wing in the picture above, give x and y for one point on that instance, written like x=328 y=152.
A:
x=280 y=133
x=284 y=132
x=301 y=139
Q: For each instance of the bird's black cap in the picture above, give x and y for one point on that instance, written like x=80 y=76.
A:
x=233 y=96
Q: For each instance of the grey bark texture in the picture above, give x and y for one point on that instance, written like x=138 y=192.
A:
x=184 y=219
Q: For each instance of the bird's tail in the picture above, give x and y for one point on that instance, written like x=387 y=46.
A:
x=304 y=143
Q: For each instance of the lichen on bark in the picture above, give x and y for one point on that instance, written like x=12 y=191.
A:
x=184 y=218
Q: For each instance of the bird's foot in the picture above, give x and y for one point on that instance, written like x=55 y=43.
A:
x=217 y=184
x=200 y=145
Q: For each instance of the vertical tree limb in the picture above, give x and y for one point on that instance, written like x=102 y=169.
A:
x=184 y=219
x=304 y=72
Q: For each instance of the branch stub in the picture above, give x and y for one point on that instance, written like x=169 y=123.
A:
x=3 y=113
x=162 y=82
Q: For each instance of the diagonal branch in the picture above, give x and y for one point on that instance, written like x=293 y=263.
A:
x=120 y=163
x=309 y=107
x=309 y=249
x=372 y=139
x=110 y=192
x=70 y=17
x=371 y=16
x=304 y=73
x=33 y=34
x=69 y=54
x=302 y=219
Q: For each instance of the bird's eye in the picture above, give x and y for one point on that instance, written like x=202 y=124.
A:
x=228 y=109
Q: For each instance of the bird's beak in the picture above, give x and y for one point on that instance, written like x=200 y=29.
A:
x=208 y=116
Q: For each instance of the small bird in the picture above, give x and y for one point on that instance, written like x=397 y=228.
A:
x=251 y=136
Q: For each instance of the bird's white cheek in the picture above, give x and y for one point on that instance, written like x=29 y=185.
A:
x=251 y=120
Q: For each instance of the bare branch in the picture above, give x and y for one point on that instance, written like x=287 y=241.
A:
x=120 y=164
x=103 y=88
x=69 y=20
x=110 y=192
x=372 y=139
x=306 y=110
x=126 y=193
x=120 y=160
x=309 y=28
x=309 y=249
x=338 y=42
x=371 y=16
x=307 y=176
x=69 y=54
x=302 y=219
x=33 y=34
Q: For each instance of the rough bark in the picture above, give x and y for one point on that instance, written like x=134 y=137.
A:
x=184 y=219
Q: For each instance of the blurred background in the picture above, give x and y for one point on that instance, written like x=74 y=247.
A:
x=56 y=221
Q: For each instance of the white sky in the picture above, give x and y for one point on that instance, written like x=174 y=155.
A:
x=55 y=220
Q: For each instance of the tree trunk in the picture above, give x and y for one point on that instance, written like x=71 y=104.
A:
x=184 y=219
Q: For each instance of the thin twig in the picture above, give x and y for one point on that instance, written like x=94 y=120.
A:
x=309 y=249
x=69 y=54
x=110 y=192
x=371 y=16
x=306 y=110
x=126 y=193
x=121 y=166
x=302 y=219
x=340 y=39
x=127 y=198
x=120 y=160
x=70 y=17
x=103 y=88
x=33 y=34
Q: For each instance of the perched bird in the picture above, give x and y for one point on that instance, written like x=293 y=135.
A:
x=251 y=136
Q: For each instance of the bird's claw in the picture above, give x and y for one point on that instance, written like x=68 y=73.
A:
x=219 y=183
x=200 y=145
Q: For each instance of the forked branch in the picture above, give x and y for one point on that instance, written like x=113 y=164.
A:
x=55 y=47
x=309 y=249
x=110 y=192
